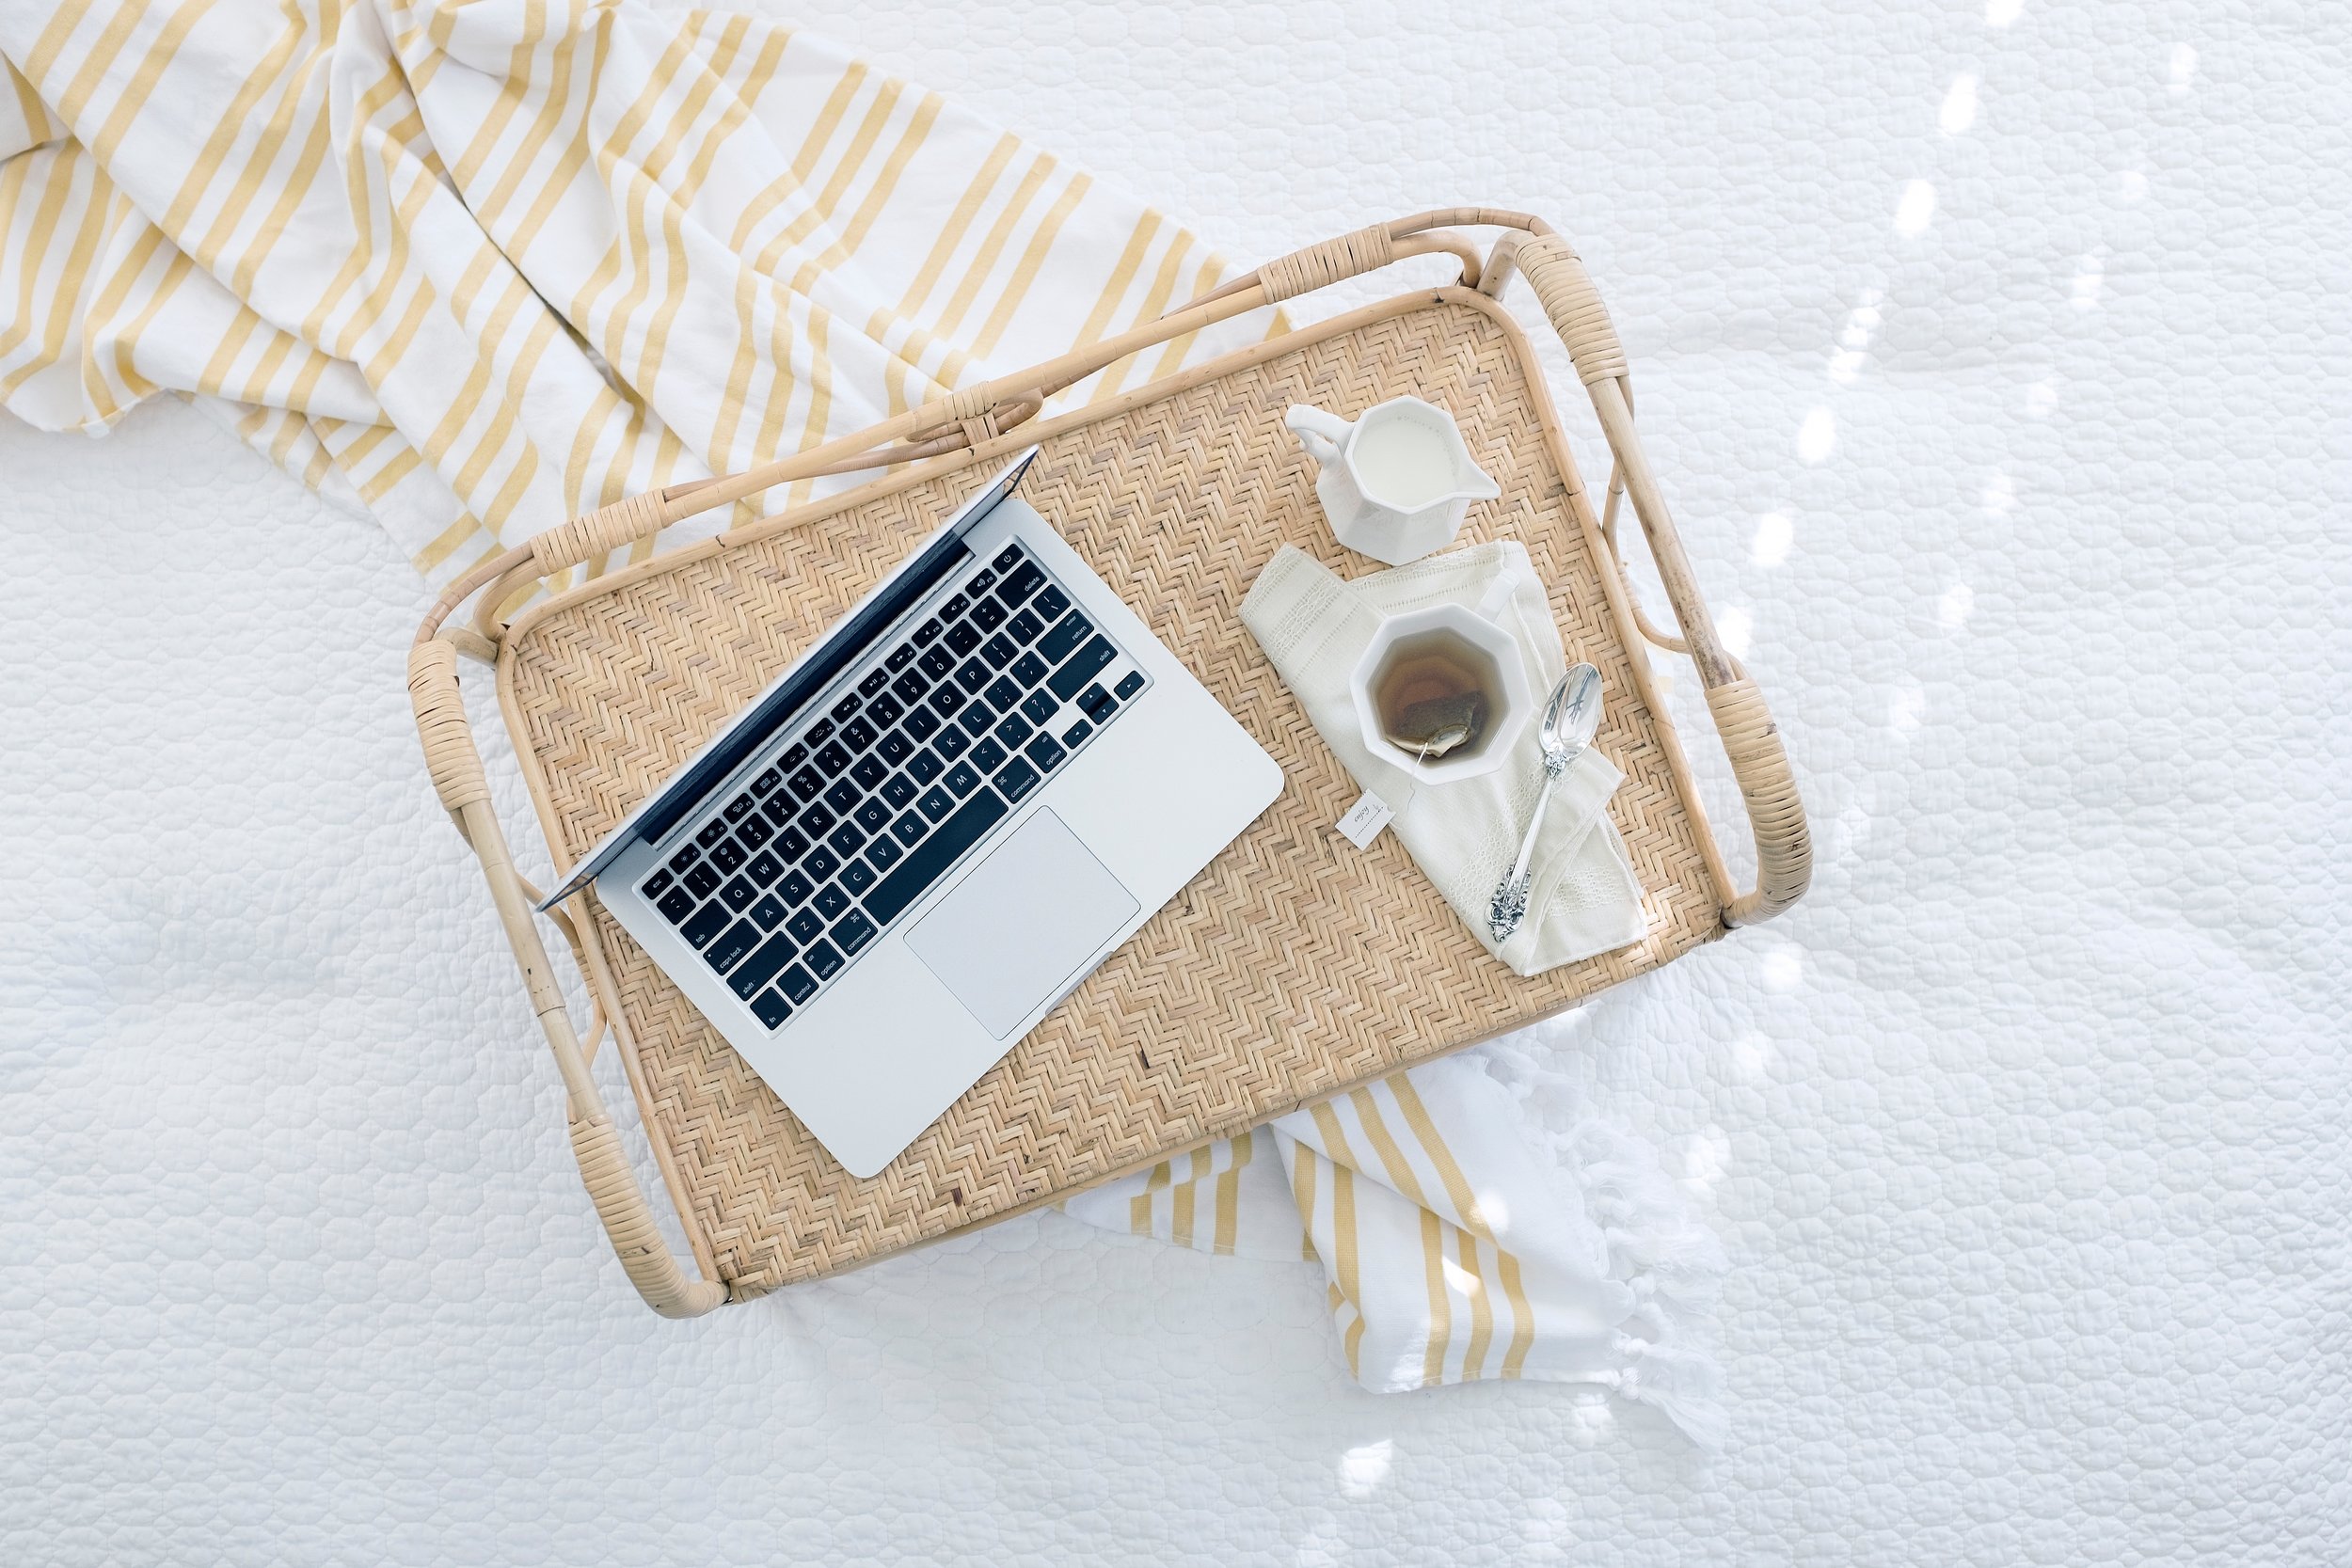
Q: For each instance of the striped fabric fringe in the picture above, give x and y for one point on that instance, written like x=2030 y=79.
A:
x=475 y=268
x=1473 y=1219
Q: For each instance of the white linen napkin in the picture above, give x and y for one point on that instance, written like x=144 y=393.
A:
x=1464 y=834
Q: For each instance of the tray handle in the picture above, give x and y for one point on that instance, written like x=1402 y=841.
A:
x=465 y=793
x=1752 y=741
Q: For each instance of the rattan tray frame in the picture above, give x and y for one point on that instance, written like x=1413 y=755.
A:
x=1294 y=966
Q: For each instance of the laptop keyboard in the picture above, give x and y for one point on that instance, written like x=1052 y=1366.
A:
x=863 y=808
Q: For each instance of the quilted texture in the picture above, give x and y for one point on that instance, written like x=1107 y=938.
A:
x=2008 y=451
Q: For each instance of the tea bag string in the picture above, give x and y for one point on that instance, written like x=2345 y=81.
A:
x=1490 y=606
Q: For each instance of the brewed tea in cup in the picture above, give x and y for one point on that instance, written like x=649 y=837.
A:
x=1442 y=693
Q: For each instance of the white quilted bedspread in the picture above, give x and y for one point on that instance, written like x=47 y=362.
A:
x=2006 y=424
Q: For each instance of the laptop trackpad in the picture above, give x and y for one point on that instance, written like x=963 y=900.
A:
x=1015 y=932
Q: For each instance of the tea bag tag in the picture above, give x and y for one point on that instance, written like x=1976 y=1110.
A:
x=1365 y=821
x=1499 y=592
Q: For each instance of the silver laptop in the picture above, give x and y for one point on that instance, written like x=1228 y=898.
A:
x=930 y=828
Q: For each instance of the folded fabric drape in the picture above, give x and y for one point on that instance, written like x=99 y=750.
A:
x=475 y=268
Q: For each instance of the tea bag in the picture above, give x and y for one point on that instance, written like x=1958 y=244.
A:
x=1435 y=725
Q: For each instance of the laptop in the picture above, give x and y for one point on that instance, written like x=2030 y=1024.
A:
x=930 y=828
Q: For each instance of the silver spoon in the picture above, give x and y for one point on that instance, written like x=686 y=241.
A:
x=1569 y=719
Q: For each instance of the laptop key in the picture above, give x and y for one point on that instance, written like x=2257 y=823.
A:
x=922 y=724
x=821 y=864
x=794 y=756
x=901 y=657
x=771 y=1010
x=767 y=782
x=764 y=870
x=936 y=661
x=1040 y=706
x=807 y=783
x=740 y=938
x=779 y=807
x=791 y=844
x=1017 y=779
x=858 y=733
x=847 y=840
x=1007 y=558
x=702 y=881
x=1002 y=693
x=1014 y=730
x=926 y=632
x=844 y=708
x=910 y=687
x=971 y=675
x=936 y=802
x=1070 y=630
x=1024 y=628
x=727 y=856
x=857 y=876
x=977 y=718
x=685 y=858
x=956 y=606
x=925 y=766
x=843 y=796
x=951 y=744
x=1044 y=754
x=708 y=922
x=753 y=830
x=657 y=884
x=1076 y=732
x=824 y=961
x=982 y=580
x=883 y=852
x=1049 y=604
x=909 y=830
x=1081 y=668
x=830 y=902
x=816 y=820
x=874 y=815
x=875 y=680
x=894 y=748
x=768 y=911
x=999 y=651
x=795 y=888
x=929 y=862
x=711 y=831
x=854 y=931
x=885 y=710
x=737 y=807
x=988 y=615
x=946 y=698
x=1129 y=684
x=675 y=905
x=737 y=895
x=964 y=637
x=1018 y=585
x=806 y=926
x=757 y=969
x=963 y=779
x=898 y=789
x=796 y=983
x=820 y=732
x=834 y=760
x=988 y=756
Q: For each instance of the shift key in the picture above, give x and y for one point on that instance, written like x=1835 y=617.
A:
x=1083 y=667
x=930 y=860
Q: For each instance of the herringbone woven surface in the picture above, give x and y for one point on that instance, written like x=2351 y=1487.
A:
x=1293 y=967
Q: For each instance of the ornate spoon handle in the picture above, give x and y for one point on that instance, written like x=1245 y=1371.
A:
x=1509 y=905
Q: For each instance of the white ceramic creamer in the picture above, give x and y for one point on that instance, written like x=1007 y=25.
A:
x=1397 y=482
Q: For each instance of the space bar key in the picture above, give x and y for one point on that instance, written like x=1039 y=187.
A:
x=927 y=861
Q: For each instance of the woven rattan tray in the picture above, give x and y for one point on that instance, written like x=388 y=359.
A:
x=1293 y=965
